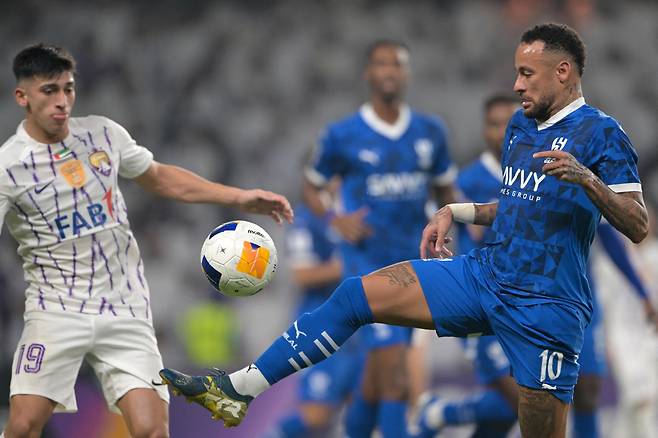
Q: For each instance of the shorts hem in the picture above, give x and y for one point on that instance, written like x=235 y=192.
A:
x=59 y=408
x=112 y=404
x=564 y=396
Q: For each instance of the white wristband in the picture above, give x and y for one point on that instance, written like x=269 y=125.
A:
x=464 y=213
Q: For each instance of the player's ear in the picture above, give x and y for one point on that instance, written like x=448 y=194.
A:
x=21 y=96
x=563 y=70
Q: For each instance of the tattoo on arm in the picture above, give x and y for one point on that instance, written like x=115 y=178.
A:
x=625 y=211
x=485 y=213
x=398 y=274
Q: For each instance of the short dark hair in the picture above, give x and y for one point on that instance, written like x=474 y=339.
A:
x=383 y=43
x=42 y=60
x=498 y=99
x=558 y=37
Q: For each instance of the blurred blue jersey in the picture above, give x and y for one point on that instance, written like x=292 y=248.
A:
x=544 y=227
x=310 y=242
x=478 y=182
x=389 y=169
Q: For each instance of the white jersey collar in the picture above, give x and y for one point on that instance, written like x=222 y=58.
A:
x=22 y=133
x=391 y=131
x=492 y=164
x=573 y=106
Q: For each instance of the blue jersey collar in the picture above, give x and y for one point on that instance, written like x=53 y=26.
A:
x=573 y=106
x=392 y=131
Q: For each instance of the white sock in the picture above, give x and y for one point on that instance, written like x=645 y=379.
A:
x=249 y=381
x=434 y=414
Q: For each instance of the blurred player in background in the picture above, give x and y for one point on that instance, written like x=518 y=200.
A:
x=86 y=297
x=494 y=410
x=391 y=161
x=316 y=270
x=566 y=164
x=633 y=344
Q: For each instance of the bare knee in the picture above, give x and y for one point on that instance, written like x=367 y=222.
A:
x=586 y=395
x=28 y=415
x=23 y=427
x=541 y=414
x=145 y=413
x=147 y=429
x=391 y=372
x=316 y=416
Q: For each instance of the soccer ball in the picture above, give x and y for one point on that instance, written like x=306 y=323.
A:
x=238 y=258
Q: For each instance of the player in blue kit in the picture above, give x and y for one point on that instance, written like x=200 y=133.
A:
x=564 y=165
x=316 y=269
x=391 y=161
x=494 y=409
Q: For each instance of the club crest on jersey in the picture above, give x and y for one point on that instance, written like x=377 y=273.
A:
x=369 y=156
x=100 y=161
x=424 y=149
x=74 y=173
x=558 y=144
x=62 y=154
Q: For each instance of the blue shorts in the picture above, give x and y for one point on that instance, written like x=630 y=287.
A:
x=541 y=341
x=592 y=357
x=334 y=379
x=374 y=336
x=489 y=360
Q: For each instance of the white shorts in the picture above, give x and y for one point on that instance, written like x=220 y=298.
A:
x=122 y=351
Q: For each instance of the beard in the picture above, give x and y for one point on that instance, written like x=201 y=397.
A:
x=540 y=110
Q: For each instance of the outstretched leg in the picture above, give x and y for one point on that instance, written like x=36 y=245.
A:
x=392 y=295
x=541 y=415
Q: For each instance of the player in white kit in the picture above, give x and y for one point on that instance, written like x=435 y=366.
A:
x=87 y=298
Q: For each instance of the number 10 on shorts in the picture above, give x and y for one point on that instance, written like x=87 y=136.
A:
x=551 y=364
x=33 y=357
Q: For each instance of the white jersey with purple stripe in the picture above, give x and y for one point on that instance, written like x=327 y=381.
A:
x=62 y=204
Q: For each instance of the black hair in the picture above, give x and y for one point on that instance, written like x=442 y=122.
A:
x=42 y=60
x=500 y=98
x=383 y=43
x=558 y=37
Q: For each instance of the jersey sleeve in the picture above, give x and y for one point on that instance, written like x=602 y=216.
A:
x=4 y=207
x=445 y=172
x=5 y=201
x=134 y=160
x=327 y=161
x=616 y=163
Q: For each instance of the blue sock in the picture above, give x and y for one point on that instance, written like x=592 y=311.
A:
x=487 y=406
x=360 y=417
x=392 y=419
x=292 y=426
x=585 y=425
x=317 y=335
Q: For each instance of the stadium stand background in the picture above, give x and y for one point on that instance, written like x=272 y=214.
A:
x=237 y=90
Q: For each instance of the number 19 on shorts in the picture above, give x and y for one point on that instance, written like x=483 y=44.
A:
x=29 y=358
x=551 y=365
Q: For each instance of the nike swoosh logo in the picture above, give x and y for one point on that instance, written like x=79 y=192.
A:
x=38 y=190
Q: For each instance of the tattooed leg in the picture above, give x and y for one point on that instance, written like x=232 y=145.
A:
x=541 y=415
x=396 y=297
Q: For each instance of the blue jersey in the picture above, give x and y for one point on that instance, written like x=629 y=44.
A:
x=309 y=242
x=389 y=169
x=544 y=227
x=478 y=182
